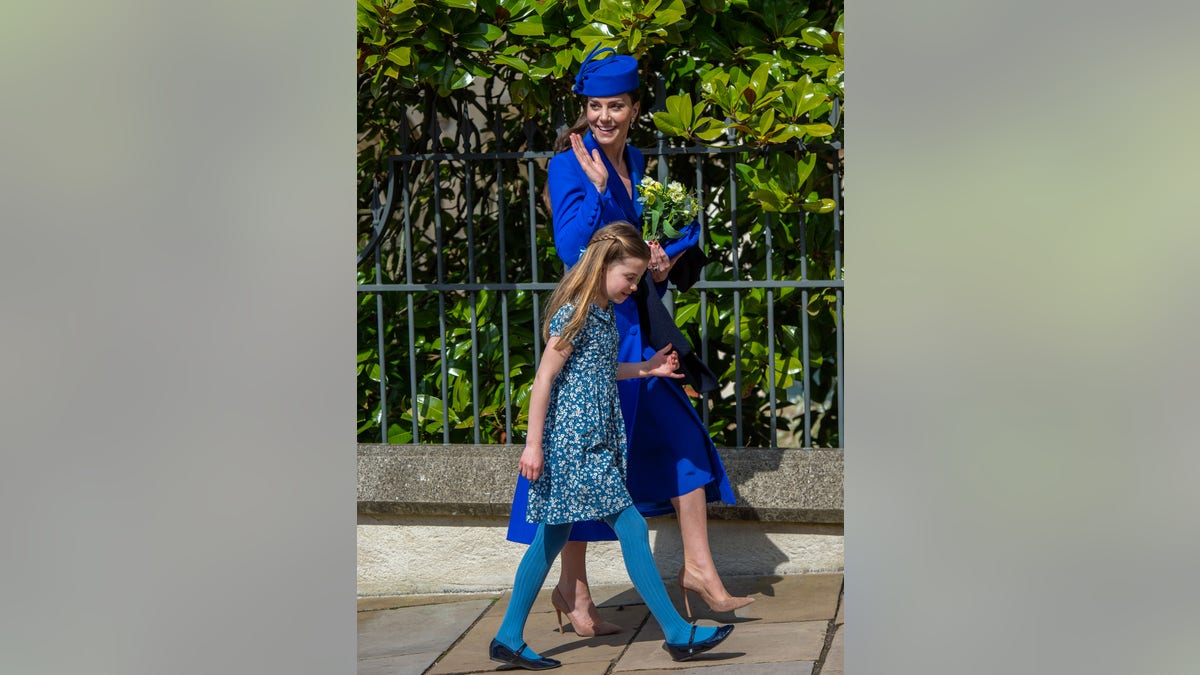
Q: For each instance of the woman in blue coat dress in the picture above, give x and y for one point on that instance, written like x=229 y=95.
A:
x=593 y=180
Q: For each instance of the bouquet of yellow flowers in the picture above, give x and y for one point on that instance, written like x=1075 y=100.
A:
x=665 y=209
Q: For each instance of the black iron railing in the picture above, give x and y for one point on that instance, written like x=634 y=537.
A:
x=411 y=258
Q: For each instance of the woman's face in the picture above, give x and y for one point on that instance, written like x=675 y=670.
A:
x=609 y=118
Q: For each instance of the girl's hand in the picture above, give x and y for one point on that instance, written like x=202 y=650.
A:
x=593 y=164
x=530 y=465
x=664 y=363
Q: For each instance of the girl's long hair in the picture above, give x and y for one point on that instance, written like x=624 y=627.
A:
x=586 y=280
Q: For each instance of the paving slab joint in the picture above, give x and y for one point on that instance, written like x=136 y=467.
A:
x=612 y=665
x=460 y=637
x=830 y=632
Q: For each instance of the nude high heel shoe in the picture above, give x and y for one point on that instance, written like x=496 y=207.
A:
x=585 y=628
x=715 y=605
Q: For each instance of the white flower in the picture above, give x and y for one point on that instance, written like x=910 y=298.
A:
x=665 y=209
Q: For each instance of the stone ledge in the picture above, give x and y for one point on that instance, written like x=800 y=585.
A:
x=780 y=485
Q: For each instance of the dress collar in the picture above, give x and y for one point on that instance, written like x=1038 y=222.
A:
x=606 y=313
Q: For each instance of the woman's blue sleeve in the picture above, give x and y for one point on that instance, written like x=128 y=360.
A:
x=689 y=238
x=576 y=206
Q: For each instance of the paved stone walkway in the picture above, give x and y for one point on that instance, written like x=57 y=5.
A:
x=795 y=628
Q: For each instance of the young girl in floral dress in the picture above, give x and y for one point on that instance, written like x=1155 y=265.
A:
x=575 y=449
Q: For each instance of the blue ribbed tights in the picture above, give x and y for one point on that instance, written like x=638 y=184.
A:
x=634 y=536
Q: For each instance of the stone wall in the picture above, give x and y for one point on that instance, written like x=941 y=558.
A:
x=432 y=519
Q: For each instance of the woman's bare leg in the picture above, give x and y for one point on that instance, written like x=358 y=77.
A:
x=573 y=587
x=698 y=567
x=572 y=577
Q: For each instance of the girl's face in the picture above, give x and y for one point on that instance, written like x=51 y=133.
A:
x=609 y=118
x=621 y=277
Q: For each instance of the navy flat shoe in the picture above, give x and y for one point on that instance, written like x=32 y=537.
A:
x=692 y=648
x=511 y=659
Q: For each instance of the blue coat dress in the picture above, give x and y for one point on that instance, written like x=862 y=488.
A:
x=670 y=451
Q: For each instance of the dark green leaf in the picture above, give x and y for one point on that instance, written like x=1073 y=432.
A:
x=564 y=59
x=462 y=79
x=512 y=62
x=816 y=36
x=758 y=81
x=667 y=124
x=770 y=200
x=401 y=56
x=686 y=314
x=529 y=27
x=397 y=435
x=767 y=121
x=822 y=206
x=710 y=133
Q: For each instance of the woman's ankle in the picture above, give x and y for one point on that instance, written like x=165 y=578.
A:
x=702 y=574
x=575 y=592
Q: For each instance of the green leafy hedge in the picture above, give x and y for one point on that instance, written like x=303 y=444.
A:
x=459 y=75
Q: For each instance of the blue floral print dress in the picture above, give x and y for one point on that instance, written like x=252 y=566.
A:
x=584 y=437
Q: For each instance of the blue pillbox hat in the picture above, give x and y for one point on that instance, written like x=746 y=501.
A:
x=612 y=76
